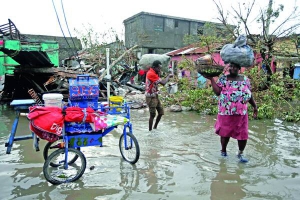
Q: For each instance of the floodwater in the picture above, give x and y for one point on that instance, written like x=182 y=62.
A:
x=181 y=160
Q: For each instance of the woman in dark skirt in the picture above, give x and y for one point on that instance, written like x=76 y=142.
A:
x=232 y=120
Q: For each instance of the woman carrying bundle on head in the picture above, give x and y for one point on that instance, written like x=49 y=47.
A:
x=234 y=91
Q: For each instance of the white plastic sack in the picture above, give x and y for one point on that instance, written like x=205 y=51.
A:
x=147 y=60
x=239 y=52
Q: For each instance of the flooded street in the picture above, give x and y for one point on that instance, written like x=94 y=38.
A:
x=180 y=160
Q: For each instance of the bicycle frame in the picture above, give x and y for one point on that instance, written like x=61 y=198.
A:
x=95 y=138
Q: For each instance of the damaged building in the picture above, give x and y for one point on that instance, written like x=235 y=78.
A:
x=159 y=34
x=34 y=65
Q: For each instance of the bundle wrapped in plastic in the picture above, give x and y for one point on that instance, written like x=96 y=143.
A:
x=238 y=52
x=147 y=60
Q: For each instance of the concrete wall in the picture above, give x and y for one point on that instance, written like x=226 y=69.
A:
x=158 y=33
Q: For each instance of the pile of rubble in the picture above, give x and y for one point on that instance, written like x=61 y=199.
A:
x=121 y=76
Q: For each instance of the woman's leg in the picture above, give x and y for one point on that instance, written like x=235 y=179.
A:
x=242 y=144
x=224 y=142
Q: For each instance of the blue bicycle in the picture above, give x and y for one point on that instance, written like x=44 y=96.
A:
x=67 y=163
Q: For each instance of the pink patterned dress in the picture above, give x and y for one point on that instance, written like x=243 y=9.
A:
x=232 y=119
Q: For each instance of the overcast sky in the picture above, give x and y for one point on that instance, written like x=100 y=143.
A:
x=38 y=16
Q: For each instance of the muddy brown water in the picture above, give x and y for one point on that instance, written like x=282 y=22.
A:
x=181 y=160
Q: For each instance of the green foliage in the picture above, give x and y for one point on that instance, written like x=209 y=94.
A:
x=200 y=100
x=207 y=36
x=266 y=111
x=296 y=91
x=276 y=96
x=186 y=64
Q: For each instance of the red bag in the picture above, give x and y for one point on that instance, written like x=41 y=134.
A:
x=46 y=122
x=76 y=114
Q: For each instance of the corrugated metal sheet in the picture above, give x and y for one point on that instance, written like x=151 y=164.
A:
x=191 y=49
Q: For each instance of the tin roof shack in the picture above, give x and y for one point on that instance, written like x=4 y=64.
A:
x=33 y=62
x=159 y=34
x=66 y=44
x=193 y=52
x=8 y=31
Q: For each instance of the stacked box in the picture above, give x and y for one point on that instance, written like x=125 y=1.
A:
x=83 y=87
x=83 y=93
x=84 y=103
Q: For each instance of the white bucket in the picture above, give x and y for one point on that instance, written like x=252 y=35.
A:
x=53 y=100
x=173 y=88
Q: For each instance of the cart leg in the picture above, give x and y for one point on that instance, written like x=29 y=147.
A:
x=66 y=152
x=35 y=142
x=9 y=144
x=101 y=141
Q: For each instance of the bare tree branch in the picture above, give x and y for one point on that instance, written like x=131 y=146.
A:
x=223 y=19
x=290 y=17
x=263 y=21
x=288 y=31
x=239 y=15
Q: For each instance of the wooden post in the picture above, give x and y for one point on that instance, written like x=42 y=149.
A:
x=116 y=61
x=108 y=74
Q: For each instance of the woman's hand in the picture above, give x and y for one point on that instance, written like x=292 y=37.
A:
x=255 y=111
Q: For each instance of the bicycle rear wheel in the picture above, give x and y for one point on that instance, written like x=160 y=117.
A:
x=52 y=146
x=129 y=148
x=59 y=174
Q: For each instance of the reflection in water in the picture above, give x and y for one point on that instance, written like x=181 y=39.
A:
x=150 y=172
x=227 y=185
x=178 y=161
x=29 y=179
x=129 y=178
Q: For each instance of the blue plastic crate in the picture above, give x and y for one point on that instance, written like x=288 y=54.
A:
x=83 y=87
x=296 y=72
x=93 y=103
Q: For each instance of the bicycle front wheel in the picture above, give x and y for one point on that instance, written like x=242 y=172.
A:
x=64 y=173
x=129 y=148
x=52 y=146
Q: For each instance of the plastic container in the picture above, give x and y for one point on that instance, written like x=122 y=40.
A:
x=93 y=103
x=116 y=101
x=83 y=87
x=296 y=74
x=173 y=88
x=53 y=100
